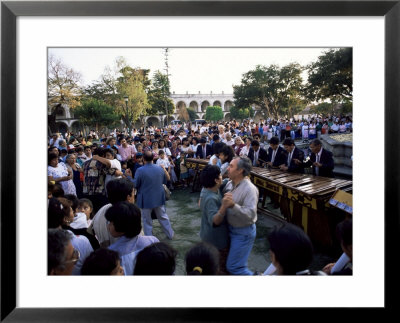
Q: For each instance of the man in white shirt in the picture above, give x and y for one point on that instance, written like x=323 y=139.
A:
x=228 y=139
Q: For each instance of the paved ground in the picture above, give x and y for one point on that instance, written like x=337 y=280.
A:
x=185 y=217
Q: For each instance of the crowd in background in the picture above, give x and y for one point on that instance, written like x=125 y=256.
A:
x=98 y=218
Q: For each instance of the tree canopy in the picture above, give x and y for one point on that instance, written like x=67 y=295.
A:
x=96 y=114
x=331 y=76
x=63 y=84
x=214 y=113
x=159 y=95
x=276 y=90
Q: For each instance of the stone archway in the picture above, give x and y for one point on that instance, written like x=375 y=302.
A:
x=228 y=105
x=62 y=127
x=204 y=106
x=227 y=117
x=153 y=121
x=76 y=127
x=217 y=104
x=194 y=105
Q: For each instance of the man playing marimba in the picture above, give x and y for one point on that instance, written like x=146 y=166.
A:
x=294 y=157
x=276 y=154
x=321 y=160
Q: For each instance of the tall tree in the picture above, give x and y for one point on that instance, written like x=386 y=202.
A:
x=272 y=88
x=133 y=83
x=158 y=95
x=63 y=84
x=96 y=114
x=331 y=77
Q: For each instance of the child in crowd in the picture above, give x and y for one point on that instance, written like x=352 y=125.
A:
x=102 y=262
x=202 y=259
x=164 y=161
x=86 y=206
x=156 y=259
x=184 y=175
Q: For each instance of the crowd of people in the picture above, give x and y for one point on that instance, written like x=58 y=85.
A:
x=105 y=191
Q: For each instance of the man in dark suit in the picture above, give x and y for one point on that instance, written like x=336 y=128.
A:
x=294 y=157
x=321 y=160
x=149 y=181
x=204 y=150
x=257 y=155
x=276 y=154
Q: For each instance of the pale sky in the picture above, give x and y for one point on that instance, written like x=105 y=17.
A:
x=191 y=69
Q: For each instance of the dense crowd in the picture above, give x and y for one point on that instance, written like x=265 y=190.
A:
x=105 y=191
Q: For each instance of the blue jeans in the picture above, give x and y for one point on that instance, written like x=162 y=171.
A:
x=242 y=240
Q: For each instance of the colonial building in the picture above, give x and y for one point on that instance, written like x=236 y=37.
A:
x=65 y=120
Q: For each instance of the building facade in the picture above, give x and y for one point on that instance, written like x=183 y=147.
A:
x=65 y=121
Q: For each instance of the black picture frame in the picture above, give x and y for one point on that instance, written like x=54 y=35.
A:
x=10 y=10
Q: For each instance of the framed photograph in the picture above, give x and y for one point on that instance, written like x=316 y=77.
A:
x=28 y=29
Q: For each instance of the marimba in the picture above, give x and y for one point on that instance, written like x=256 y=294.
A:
x=303 y=198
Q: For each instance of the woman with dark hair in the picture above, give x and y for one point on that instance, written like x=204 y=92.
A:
x=60 y=215
x=102 y=262
x=214 y=160
x=202 y=259
x=156 y=259
x=76 y=169
x=214 y=227
x=59 y=173
x=291 y=250
x=124 y=220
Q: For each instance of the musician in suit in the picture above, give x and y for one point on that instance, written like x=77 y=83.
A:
x=257 y=155
x=294 y=157
x=276 y=154
x=321 y=160
x=204 y=150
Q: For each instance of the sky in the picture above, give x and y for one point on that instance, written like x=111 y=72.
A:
x=191 y=69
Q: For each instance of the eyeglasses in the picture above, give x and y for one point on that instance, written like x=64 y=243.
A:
x=75 y=257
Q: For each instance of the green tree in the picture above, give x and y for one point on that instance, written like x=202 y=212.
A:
x=96 y=114
x=276 y=90
x=322 y=108
x=214 y=113
x=331 y=76
x=158 y=96
x=134 y=84
x=241 y=113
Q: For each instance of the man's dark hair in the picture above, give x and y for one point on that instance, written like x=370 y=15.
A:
x=316 y=142
x=274 y=141
x=288 y=142
x=57 y=242
x=255 y=143
x=217 y=147
x=100 y=151
x=119 y=189
x=229 y=152
x=216 y=137
x=156 y=259
x=203 y=140
x=126 y=218
x=292 y=248
x=102 y=261
x=208 y=175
